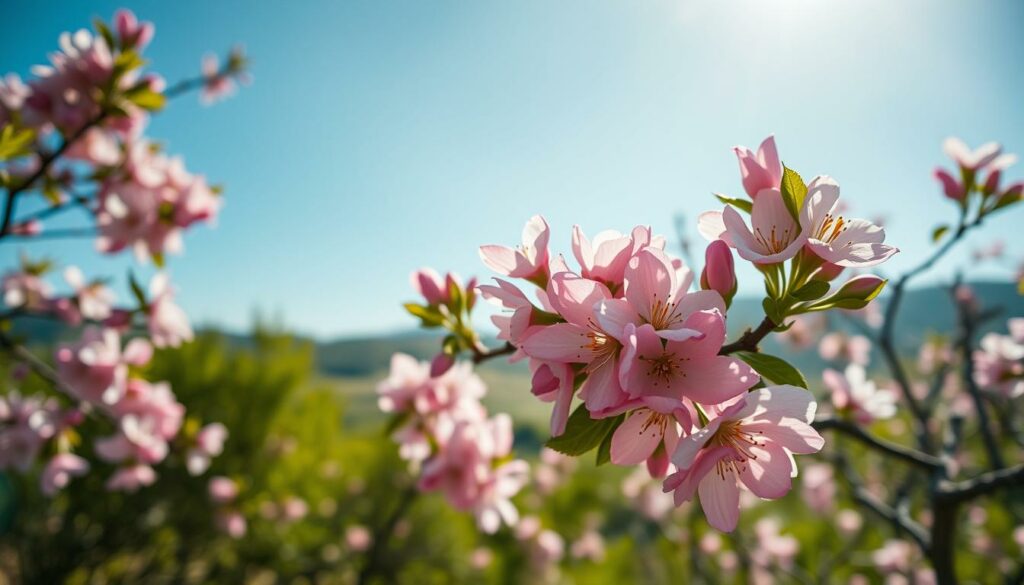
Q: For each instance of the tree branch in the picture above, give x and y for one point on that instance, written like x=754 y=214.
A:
x=750 y=338
x=482 y=353
x=984 y=484
x=906 y=454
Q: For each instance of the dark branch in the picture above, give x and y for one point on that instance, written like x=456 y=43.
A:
x=482 y=354
x=912 y=456
x=984 y=484
x=750 y=338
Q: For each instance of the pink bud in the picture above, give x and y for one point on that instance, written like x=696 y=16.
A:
x=441 y=363
x=992 y=183
x=719 y=270
x=828 y=272
x=430 y=285
x=950 y=186
x=861 y=286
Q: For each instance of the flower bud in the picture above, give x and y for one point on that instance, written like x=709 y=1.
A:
x=828 y=272
x=950 y=186
x=991 y=183
x=441 y=363
x=857 y=292
x=430 y=285
x=719 y=270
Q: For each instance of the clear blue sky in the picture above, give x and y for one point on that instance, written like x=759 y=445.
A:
x=381 y=136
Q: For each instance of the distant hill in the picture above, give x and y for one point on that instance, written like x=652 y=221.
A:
x=925 y=310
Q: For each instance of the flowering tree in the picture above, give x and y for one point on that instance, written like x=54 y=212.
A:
x=637 y=341
x=73 y=142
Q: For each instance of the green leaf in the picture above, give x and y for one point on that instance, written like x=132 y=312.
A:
x=582 y=433
x=14 y=142
x=455 y=294
x=450 y=345
x=775 y=369
x=145 y=98
x=938 y=232
x=604 y=450
x=428 y=316
x=137 y=291
x=395 y=422
x=771 y=310
x=813 y=290
x=794 y=191
x=741 y=204
x=158 y=259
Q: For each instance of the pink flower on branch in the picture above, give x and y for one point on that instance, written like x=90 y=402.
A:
x=749 y=443
x=761 y=170
x=529 y=261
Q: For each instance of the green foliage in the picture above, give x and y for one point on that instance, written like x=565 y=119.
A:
x=583 y=433
x=776 y=370
x=15 y=142
x=794 y=191
x=741 y=204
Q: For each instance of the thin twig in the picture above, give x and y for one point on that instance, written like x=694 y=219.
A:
x=750 y=338
x=907 y=454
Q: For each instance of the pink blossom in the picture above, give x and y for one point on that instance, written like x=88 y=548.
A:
x=520 y=313
x=209 y=444
x=554 y=382
x=64 y=92
x=581 y=340
x=26 y=423
x=819 y=487
x=951 y=187
x=218 y=85
x=650 y=433
x=95 y=368
x=293 y=509
x=999 y=364
x=92 y=301
x=98 y=147
x=131 y=478
x=762 y=170
x=529 y=261
x=836 y=239
x=837 y=346
x=232 y=523
x=132 y=33
x=222 y=490
x=774 y=236
x=749 y=443
x=689 y=369
x=604 y=259
x=719 y=272
x=968 y=159
x=59 y=470
x=773 y=547
x=25 y=290
x=852 y=392
x=656 y=295
x=429 y=284
x=358 y=538
x=589 y=546
x=168 y=323
x=895 y=556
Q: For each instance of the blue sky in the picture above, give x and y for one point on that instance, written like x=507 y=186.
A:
x=382 y=136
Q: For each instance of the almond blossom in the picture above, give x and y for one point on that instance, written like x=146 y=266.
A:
x=95 y=368
x=774 y=236
x=852 y=392
x=999 y=364
x=748 y=443
x=529 y=261
x=836 y=239
x=650 y=433
x=762 y=170
x=60 y=470
x=168 y=323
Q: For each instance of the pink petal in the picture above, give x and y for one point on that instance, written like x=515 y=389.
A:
x=720 y=498
x=574 y=297
x=561 y=342
x=769 y=475
x=635 y=440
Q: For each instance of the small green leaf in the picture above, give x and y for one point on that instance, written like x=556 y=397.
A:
x=158 y=259
x=455 y=294
x=938 y=232
x=582 y=433
x=813 y=290
x=794 y=191
x=604 y=450
x=451 y=345
x=775 y=369
x=14 y=142
x=428 y=316
x=395 y=422
x=144 y=97
x=137 y=291
x=771 y=310
x=741 y=204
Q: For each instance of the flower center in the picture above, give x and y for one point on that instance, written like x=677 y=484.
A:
x=664 y=314
x=731 y=434
x=663 y=369
x=775 y=240
x=831 y=228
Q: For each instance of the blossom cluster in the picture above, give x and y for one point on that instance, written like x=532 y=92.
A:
x=999 y=362
x=445 y=432
x=73 y=138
